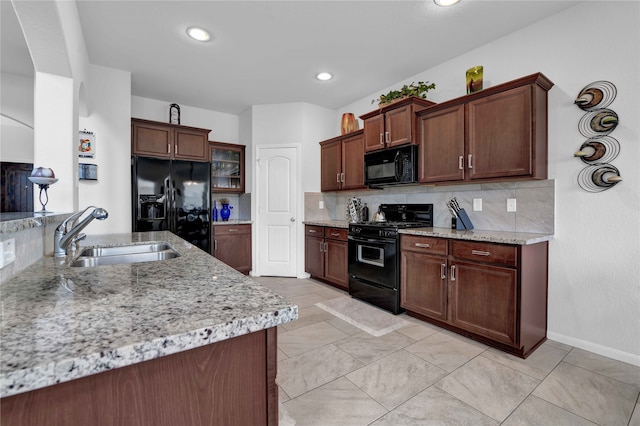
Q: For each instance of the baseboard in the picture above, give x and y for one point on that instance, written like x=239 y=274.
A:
x=629 y=358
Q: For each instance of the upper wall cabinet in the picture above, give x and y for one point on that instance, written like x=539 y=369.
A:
x=227 y=167
x=342 y=162
x=164 y=140
x=497 y=133
x=393 y=125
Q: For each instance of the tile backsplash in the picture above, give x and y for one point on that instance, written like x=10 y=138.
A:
x=535 y=204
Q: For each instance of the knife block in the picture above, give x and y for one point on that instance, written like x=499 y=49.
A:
x=463 y=222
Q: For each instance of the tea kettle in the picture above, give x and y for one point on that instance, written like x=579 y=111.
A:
x=379 y=215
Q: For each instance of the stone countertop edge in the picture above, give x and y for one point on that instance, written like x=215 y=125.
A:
x=15 y=222
x=60 y=323
x=231 y=222
x=332 y=223
x=503 y=237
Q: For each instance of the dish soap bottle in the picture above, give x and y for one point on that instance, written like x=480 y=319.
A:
x=215 y=211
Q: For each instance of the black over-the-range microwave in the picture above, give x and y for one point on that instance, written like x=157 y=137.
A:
x=391 y=166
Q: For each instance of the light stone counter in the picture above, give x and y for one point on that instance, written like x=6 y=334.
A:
x=519 y=238
x=332 y=223
x=60 y=323
x=232 y=222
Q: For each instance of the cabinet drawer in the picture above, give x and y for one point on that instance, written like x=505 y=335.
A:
x=424 y=244
x=231 y=229
x=500 y=254
x=336 y=234
x=314 y=231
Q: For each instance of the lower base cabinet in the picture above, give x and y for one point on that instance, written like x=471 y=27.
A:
x=494 y=293
x=231 y=383
x=232 y=245
x=326 y=254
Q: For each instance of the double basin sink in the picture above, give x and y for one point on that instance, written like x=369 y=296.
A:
x=114 y=255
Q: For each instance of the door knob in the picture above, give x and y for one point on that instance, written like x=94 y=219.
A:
x=293 y=219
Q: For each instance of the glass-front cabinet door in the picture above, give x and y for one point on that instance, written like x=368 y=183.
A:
x=227 y=167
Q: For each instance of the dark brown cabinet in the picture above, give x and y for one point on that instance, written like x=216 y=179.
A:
x=231 y=382
x=494 y=293
x=162 y=140
x=232 y=245
x=227 y=167
x=393 y=125
x=498 y=133
x=326 y=254
x=342 y=162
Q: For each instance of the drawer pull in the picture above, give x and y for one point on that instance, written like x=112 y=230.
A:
x=443 y=271
x=453 y=272
x=480 y=253
x=335 y=234
x=460 y=161
x=233 y=230
x=424 y=245
x=312 y=231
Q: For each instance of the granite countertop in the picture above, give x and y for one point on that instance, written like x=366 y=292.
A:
x=59 y=323
x=14 y=222
x=332 y=223
x=519 y=238
x=232 y=222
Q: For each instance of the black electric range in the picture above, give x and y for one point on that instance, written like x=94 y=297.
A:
x=374 y=261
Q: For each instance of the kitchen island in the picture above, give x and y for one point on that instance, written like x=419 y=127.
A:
x=187 y=340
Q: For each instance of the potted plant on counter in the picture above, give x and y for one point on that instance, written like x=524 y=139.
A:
x=418 y=89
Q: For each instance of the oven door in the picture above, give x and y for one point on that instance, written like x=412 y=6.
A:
x=374 y=260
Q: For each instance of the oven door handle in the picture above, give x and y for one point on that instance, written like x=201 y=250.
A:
x=370 y=240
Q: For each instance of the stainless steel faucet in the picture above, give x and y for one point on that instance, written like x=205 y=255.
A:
x=62 y=238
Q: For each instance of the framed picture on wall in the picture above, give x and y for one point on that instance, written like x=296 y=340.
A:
x=87 y=144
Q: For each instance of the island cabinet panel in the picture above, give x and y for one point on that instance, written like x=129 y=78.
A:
x=494 y=293
x=499 y=133
x=342 y=162
x=163 y=140
x=224 y=383
x=232 y=245
x=326 y=254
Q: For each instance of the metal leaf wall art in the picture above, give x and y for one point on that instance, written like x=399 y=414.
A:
x=600 y=148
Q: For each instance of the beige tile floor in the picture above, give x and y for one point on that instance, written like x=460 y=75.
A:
x=332 y=373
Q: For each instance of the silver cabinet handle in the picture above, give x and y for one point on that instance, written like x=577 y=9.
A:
x=338 y=177
x=481 y=253
x=460 y=161
x=387 y=138
x=470 y=165
x=443 y=271
x=335 y=234
x=453 y=272
x=233 y=230
x=312 y=231
x=341 y=177
x=422 y=245
x=381 y=140
x=168 y=148
x=215 y=245
x=175 y=149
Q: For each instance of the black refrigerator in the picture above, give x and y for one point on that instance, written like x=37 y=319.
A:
x=172 y=195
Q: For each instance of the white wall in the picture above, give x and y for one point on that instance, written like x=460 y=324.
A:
x=109 y=120
x=16 y=140
x=594 y=278
x=224 y=127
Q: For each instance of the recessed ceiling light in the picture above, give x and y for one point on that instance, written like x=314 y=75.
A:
x=198 y=34
x=324 y=76
x=445 y=2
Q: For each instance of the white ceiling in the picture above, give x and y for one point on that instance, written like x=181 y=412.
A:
x=266 y=52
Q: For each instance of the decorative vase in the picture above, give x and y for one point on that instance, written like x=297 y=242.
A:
x=474 y=79
x=225 y=212
x=348 y=124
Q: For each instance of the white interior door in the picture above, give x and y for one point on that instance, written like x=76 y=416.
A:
x=277 y=221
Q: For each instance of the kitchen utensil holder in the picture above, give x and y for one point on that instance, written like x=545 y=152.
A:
x=463 y=222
